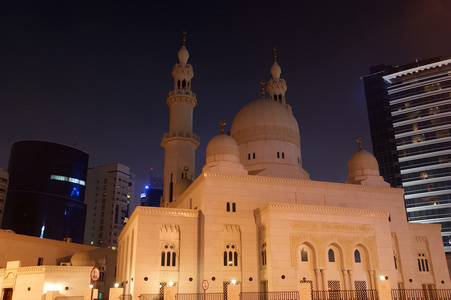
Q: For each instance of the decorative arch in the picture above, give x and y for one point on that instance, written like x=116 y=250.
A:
x=334 y=269
x=306 y=263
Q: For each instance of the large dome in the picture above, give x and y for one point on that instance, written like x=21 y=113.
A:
x=265 y=119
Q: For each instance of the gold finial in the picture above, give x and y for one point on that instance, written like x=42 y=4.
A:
x=359 y=140
x=186 y=168
x=275 y=53
x=184 y=37
x=263 y=88
x=222 y=122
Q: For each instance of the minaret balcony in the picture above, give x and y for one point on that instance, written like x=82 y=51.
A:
x=276 y=81
x=182 y=66
x=184 y=92
x=180 y=134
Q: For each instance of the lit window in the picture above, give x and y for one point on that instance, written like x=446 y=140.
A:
x=304 y=255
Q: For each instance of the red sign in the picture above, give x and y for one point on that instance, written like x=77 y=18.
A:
x=95 y=274
x=205 y=285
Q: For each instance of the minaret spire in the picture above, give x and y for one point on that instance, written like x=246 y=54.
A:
x=180 y=143
x=276 y=86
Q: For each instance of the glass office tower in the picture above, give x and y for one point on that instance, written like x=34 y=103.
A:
x=46 y=191
x=410 y=120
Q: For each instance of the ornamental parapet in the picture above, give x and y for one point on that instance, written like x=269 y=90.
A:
x=182 y=66
x=180 y=134
x=182 y=92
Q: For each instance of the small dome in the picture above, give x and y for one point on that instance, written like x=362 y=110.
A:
x=275 y=70
x=183 y=55
x=181 y=186
x=362 y=163
x=82 y=258
x=265 y=119
x=222 y=148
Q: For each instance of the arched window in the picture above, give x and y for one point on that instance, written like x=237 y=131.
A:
x=357 y=256
x=183 y=83
x=178 y=84
x=264 y=254
x=228 y=206
x=230 y=255
x=423 y=264
x=168 y=256
x=233 y=207
x=396 y=262
x=304 y=254
x=331 y=255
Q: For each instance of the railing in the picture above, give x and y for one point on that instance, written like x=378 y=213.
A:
x=421 y=294
x=150 y=297
x=125 y=297
x=200 y=296
x=345 y=295
x=270 y=295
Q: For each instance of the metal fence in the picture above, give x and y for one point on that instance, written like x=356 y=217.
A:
x=345 y=295
x=270 y=296
x=421 y=294
x=200 y=296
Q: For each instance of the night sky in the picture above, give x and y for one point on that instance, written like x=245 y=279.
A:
x=96 y=74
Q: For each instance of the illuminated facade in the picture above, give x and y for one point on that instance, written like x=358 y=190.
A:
x=253 y=221
x=410 y=116
x=46 y=191
x=109 y=190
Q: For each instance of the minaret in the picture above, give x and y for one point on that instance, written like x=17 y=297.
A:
x=180 y=143
x=277 y=86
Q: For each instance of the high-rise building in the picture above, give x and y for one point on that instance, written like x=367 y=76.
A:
x=151 y=196
x=46 y=191
x=3 y=190
x=109 y=189
x=409 y=109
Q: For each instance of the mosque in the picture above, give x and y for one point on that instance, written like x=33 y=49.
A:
x=255 y=219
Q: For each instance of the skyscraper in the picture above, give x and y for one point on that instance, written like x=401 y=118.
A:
x=409 y=109
x=46 y=191
x=109 y=189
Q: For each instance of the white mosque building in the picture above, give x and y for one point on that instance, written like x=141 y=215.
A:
x=254 y=217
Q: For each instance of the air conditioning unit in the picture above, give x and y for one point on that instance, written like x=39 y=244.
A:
x=65 y=264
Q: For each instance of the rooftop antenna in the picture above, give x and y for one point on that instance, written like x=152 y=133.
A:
x=263 y=88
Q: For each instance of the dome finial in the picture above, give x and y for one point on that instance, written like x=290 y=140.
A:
x=184 y=37
x=222 y=122
x=359 y=140
x=263 y=88
x=275 y=53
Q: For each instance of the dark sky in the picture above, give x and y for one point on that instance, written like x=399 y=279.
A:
x=96 y=74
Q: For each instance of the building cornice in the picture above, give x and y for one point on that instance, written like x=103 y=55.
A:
x=61 y=269
x=389 y=78
x=424 y=226
x=320 y=209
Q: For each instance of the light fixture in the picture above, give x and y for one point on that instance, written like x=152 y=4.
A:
x=116 y=285
x=170 y=283
x=382 y=277
x=91 y=286
x=233 y=281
